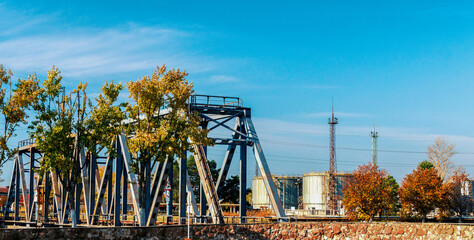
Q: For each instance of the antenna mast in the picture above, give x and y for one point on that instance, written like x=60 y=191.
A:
x=374 y=136
x=332 y=195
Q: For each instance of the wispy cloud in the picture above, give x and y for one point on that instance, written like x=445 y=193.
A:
x=101 y=52
x=223 y=79
x=86 y=52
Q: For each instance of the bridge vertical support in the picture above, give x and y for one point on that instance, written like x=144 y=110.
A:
x=109 y=194
x=32 y=179
x=124 y=191
x=47 y=190
x=77 y=201
x=118 y=178
x=92 y=179
x=243 y=182
x=264 y=169
x=182 y=188
x=169 y=207
x=147 y=190
x=17 y=191
x=202 y=196
x=64 y=203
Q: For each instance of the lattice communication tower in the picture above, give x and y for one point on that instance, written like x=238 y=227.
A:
x=374 y=135
x=332 y=183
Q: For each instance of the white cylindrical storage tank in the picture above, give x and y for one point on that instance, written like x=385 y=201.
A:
x=260 y=197
x=314 y=191
x=288 y=190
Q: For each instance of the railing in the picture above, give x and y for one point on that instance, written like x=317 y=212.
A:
x=228 y=220
x=26 y=142
x=215 y=101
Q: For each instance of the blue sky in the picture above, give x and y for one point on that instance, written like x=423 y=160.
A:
x=407 y=66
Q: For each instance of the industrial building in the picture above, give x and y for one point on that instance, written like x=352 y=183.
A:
x=308 y=192
x=289 y=189
x=314 y=193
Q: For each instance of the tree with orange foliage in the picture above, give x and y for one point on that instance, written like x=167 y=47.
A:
x=421 y=191
x=368 y=192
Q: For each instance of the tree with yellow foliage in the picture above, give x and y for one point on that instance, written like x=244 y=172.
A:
x=161 y=125
x=14 y=103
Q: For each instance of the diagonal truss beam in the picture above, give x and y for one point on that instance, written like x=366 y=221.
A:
x=156 y=178
x=223 y=125
x=208 y=184
x=160 y=187
x=24 y=191
x=85 y=183
x=228 y=158
x=127 y=157
x=223 y=122
x=57 y=195
x=107 y=176
x=11 y=192
x=264 y=169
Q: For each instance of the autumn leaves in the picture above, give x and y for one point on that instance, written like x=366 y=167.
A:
x=371 y=191
x=66 y=123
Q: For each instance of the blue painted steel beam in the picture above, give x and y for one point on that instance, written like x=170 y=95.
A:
x=182 y=189
x=117 y=181
x=264 y=169
x=228 y=158
x=92 y=171
x=124 y=191
x=202 y=196
x=169 y=206
x=17 y=191
x=32 y=178
x=47 y=190
x=243 y=183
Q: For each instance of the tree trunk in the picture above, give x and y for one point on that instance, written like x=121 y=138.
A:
x=142 y=202
x=73 y=218
x=72 y=206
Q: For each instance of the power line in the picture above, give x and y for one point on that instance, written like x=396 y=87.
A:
x=352 y=135
x=349 y=148
x=345 y=148
x=323 y=161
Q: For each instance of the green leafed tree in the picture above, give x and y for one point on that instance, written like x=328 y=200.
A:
x=230 y=191
x=59 y=132
x=426 y=164
x=68 y=124
x=106 y=119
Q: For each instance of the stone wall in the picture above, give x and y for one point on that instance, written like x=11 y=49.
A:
x=314 y=230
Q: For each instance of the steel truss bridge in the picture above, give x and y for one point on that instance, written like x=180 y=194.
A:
x=105 y=197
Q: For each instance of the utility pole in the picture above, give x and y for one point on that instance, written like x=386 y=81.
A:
x=332 y=196
x=374 y=136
